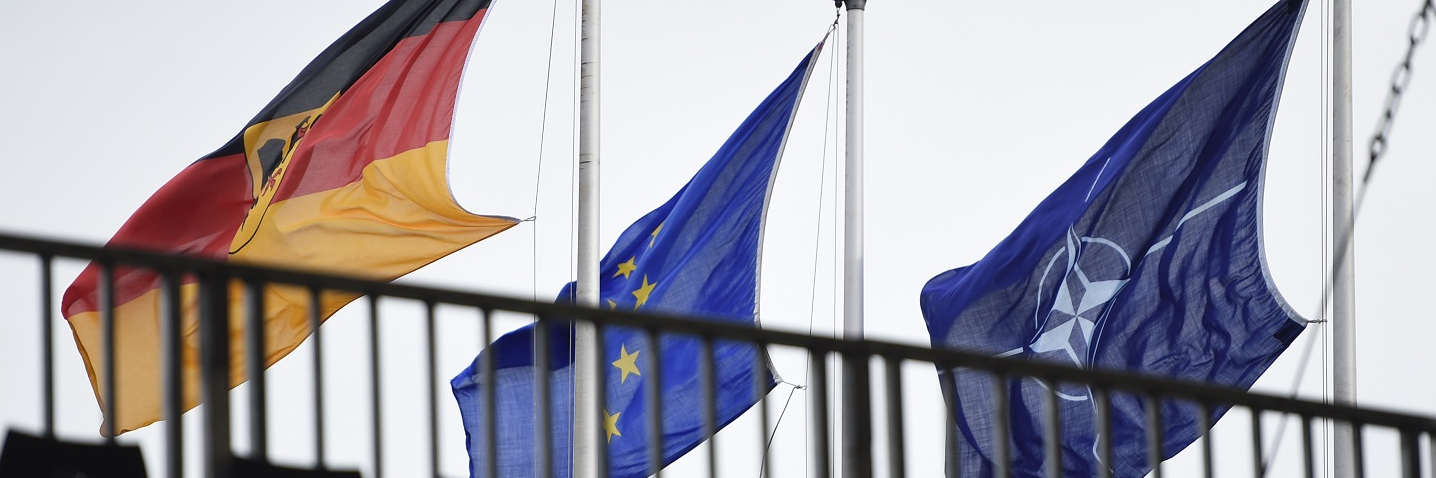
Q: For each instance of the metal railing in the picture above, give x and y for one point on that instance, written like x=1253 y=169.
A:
x=873 y=375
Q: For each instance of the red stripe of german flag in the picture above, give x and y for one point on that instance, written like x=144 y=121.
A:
x=343 y=172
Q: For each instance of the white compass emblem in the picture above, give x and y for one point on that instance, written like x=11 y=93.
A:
x=1083 y=277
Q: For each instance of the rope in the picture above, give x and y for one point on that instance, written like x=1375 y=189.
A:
x=830 y=99
x=543 y=134
x=763 y=465
x=1296 y=382
x=1324 y=216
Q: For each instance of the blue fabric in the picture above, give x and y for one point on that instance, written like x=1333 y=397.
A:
x=1148 y=259
x=697 y=254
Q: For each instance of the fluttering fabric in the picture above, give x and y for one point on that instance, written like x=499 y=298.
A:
x=343 y=172
x=697 y=255
x=1148 y=259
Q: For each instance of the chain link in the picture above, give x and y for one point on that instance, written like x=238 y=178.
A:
x=1400 y=79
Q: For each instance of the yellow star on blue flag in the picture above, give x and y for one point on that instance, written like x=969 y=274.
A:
x=696 y=255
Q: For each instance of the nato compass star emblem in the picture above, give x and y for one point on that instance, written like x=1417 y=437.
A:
x=1084 y=275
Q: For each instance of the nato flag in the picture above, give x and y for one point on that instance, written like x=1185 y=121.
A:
x=1148 y=259
x=695 y=255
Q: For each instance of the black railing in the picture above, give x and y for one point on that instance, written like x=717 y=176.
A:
x=860 y=362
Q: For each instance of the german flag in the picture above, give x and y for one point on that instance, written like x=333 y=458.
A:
x=343 y=172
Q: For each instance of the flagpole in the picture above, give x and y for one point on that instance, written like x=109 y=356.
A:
x=585 y=401
x=853 y=176
x=855 y=442
x=1343 y=349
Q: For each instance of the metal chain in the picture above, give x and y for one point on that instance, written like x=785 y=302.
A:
x=1400 y=79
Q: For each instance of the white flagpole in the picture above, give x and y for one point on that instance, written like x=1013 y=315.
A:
x=854 y=441
x=853 y=176
x=585 y=401
x=1343 y=221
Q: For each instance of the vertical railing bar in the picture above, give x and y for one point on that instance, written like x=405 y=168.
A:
x=1051 y=440
x=254 y=365
x=706 y=380
x=761 y=382
x=653 y=402
x=1431 y=452
x=543 y=402
x=1358 y=449
x=760 y=392
x=107 y=330
x=1309 y=443
x=170 y=361
x=377 y=410
x=47 y=345
x=1257 y=454
x=215 y=370
x=1102 y=396
x=1204 y=420
x=432 y=369
x=857 y=416
x=1000 y=433
x=819 y=403
x=947 y=379
x=490 y=413
x=1410 y=454
x=1154 y=433
x=601 y=390
x=897 y=452
x=315 y=318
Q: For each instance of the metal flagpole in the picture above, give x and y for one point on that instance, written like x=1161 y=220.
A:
x=854 y=429
x=853 y=176
x=1343 y=302
x=585 y=401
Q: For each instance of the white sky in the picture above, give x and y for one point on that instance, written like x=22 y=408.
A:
x=975 y=111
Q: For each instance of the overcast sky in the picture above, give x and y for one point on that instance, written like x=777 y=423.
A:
x=975 y=111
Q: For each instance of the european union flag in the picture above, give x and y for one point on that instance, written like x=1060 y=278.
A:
x=1148 y=259
x=697 y=254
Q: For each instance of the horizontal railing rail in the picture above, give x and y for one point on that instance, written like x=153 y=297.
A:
x=857 y=358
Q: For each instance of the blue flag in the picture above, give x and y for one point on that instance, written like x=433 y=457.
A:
x=1148 y=259
x=695 y=255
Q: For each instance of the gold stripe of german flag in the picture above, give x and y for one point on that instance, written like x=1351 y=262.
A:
x=309 y=183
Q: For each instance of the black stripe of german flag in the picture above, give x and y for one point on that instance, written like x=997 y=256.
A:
x=308 y=183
